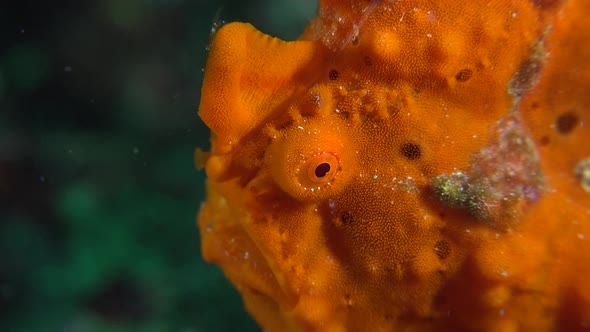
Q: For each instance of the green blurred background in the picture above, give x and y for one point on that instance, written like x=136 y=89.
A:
x=98 y=192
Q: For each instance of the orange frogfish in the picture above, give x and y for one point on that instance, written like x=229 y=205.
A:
x=405 y=165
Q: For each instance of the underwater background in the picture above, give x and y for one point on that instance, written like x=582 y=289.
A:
x=98 y=190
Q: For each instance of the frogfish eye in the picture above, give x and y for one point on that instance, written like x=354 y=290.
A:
x=322 y=169
x=311 y=166
x=319 y=170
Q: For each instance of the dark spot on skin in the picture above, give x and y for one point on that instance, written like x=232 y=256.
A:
x=345 y=115
x=464 y=75
x=322 y=169
x=333 y=75
x=442 y=249
x=355 y=41
x=368 y=61
x=534 y=105
x=347 y=217
x=284 y=124
x=411 y=151
x=566 y=122
x=544 y=140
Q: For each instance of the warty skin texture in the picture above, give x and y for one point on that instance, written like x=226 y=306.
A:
x=404 y=165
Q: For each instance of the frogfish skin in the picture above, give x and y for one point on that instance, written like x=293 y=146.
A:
x=405 y=165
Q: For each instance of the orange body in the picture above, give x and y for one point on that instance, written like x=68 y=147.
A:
x=404 y=166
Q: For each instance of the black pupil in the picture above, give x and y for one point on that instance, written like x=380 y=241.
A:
x=322 y=169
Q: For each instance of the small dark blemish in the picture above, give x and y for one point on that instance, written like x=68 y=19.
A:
x=284 y=124
x=322 y=169
x=345 y=115
x=347 y=217
x=534 y=105
x=464 y=75
x=544 y=140
x=333 y=75
x=368 y=61
x=442 y=249
x=411 y=151
x=566 y=122
x=355 y=41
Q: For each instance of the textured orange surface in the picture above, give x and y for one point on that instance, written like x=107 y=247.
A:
x=405 y=165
